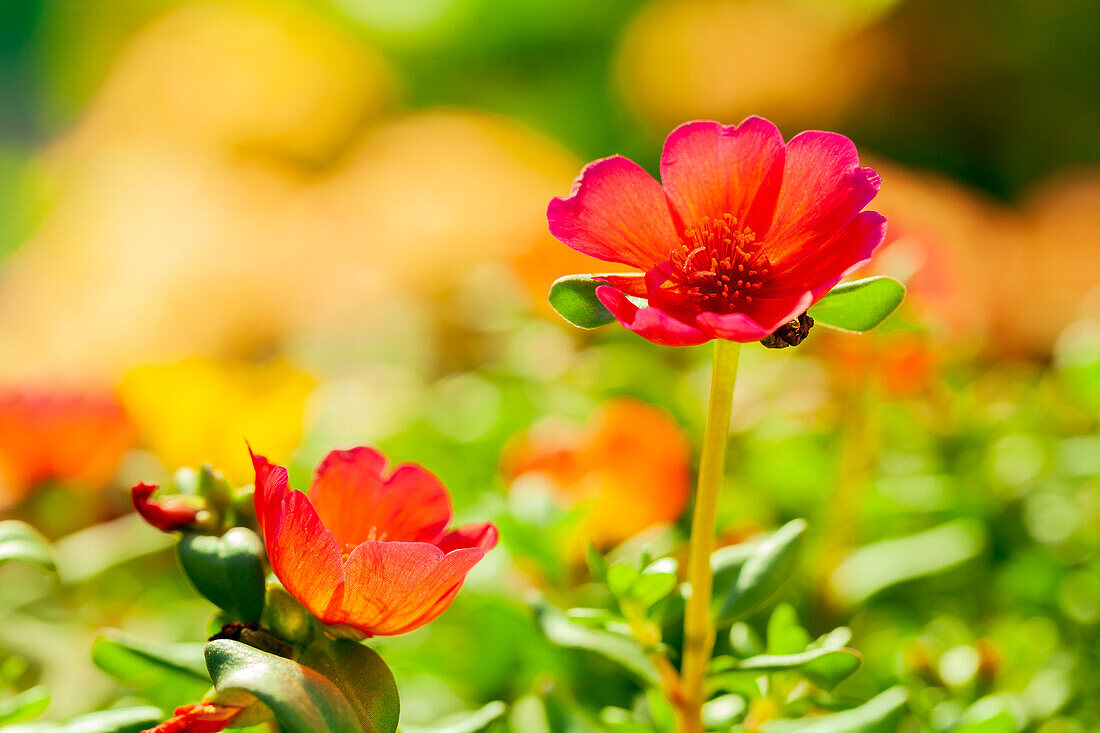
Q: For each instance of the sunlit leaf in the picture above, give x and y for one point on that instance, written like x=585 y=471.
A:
x=762 y=574
x=364 y=679
x=127 y=657
x=826 y=668
x=465 y=723
x=880 y=714
x=301 y=699
x=119 y=720
x=859 y=305
x=624 y=652
x=573 y=297
x=723 y=711
x=21 y=542
x=228 y=570
x=880 y=565
x=26 y=705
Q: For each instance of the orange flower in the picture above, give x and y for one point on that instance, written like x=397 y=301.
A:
x=198 y=718
x=74 y=437
x=363 y=550
x=628 y=465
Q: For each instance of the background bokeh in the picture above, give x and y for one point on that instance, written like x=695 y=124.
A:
x=314 y=224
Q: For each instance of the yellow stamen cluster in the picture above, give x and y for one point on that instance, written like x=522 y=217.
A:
x=717 y=261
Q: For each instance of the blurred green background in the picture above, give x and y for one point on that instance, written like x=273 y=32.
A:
x=320 y=224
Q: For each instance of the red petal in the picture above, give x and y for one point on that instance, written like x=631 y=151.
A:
x=166 y=515
x=710 y=170
x=356 y=503
x=848 y=251
x=483 y=536
x=823 y=189
x=617 y=213
x=766 y=316
x=649 y=323
x=303 y=553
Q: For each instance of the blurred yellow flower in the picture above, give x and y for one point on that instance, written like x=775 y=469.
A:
x=202 y=411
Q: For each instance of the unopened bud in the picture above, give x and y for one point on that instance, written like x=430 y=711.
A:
x=286 y=617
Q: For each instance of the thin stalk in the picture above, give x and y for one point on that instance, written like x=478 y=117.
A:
x=698 y=624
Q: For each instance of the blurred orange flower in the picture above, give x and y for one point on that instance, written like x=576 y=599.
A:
x=904 y=363
x=363 y=550
x=74 y=437
x=629 y=465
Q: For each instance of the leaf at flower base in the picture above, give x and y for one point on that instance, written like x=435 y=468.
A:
x=859 y=305
x=764 y=572
x=880 y=714
x=26 y=705
x=21 y=542
x=119 y=720
x=228 y=570
x=618 y=649
x=301 y=700
x=465 y=723
x=875 y=567
x=826 y=668
x=573 y=297
x=363 y=678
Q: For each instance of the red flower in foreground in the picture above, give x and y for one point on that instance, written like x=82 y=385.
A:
x=364 y=550
x=202 y=717
x=744 y=233
x=168 y=514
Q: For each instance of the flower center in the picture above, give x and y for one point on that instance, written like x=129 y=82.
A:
x=373 y=535
x=717 y=265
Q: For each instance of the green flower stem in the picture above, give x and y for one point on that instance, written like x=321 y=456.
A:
x=698 y=624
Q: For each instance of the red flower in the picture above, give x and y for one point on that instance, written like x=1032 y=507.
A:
x=363 y=550
x=744 y=234
x=201 y=717
x=168 y=514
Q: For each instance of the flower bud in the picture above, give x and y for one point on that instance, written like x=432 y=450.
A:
x=170 y=513
x=286 y=617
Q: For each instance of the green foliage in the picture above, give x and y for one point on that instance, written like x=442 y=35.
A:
x=228 y=570
x=119 y=720
x=26 y=705
x=880 y=714
x=300 y=699
x=764 y=572
x=859 y=305
x=464 y=723
x=20 y=542
x=617 y=648
x=573 y=297
x=364 y=679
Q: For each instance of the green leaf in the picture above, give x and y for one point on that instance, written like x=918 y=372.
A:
x=772 y=562
x=130 y=659
x=573 y=297
x=21 y=542
x=880 y=714
x=120 y=720
x=826 y=668
x=619 y=649
x=785 y=635
x=723 y=711
x=363 y=678
x=465 y=723
x=621 y=579
x=302 y=700
x=859 y=305
x=228 y=570
x=875 y=567
x=27 y=705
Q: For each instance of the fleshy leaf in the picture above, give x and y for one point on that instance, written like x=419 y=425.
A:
x=859 y=305
x=875 y=567
x=363 y=678
x=228 y=570
x=762 y=574
x=826 y=668
x=127 y=658
x=21 y=542
x=466 y=722
x=618 y=649
x=880 y=714
x=27 y=705
x=302 y=700
x=573 y=297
